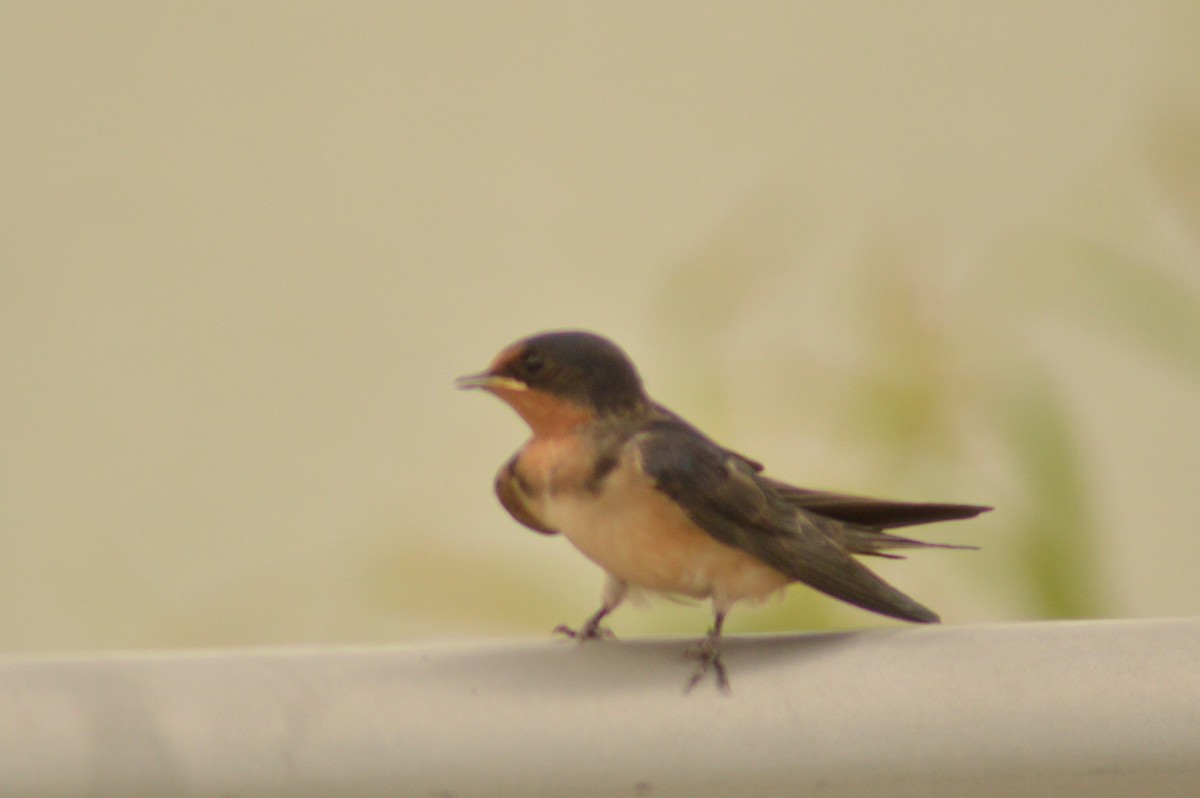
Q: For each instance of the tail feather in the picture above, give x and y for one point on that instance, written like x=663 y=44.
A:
x=872 y=542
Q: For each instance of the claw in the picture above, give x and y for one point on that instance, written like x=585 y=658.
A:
x=591 y=629
x=708 y=651
x=709 y=655
x=588 y=631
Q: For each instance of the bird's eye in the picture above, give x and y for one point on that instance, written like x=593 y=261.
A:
x=533 y=363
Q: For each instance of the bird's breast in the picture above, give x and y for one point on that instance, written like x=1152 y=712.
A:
x=637 y=533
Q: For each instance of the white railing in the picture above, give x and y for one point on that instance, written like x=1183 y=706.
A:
x=1104 y=708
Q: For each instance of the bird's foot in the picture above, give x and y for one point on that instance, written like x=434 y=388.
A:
x=708 y=652
x=592 y=630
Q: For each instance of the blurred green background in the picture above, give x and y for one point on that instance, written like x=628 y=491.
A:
x=925 y=250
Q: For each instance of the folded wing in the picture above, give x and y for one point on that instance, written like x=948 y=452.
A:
x=723 y=494
x=877 y=513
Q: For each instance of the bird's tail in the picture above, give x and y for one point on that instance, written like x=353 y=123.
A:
x=858 y=540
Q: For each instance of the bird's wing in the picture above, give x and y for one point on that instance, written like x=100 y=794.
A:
x=874 y=513
x=508 y=491
x=723 y=494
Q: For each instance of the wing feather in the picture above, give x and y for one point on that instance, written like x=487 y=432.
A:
x=508 y=491
x=875 y=513
x=724 y=495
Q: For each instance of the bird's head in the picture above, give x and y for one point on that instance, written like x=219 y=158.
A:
x=557 y=380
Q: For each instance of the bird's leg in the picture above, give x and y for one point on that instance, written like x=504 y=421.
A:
x=614 y=594
x=708 y=651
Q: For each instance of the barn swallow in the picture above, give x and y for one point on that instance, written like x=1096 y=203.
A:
x=660 y=506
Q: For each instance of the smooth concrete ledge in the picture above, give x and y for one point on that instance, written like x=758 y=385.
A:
x=1104 y=708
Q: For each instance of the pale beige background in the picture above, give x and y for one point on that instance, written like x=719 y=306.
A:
x=245 y=248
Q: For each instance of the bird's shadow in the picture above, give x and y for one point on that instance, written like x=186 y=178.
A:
x=567 y=666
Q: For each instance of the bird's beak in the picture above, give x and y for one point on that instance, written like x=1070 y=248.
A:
x=489 y=382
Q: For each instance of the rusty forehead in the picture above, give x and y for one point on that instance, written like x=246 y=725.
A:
x=506 y=356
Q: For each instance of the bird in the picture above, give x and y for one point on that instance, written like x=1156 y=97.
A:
x=663 y=508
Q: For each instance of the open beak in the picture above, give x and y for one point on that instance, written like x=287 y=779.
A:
x=488 y=382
